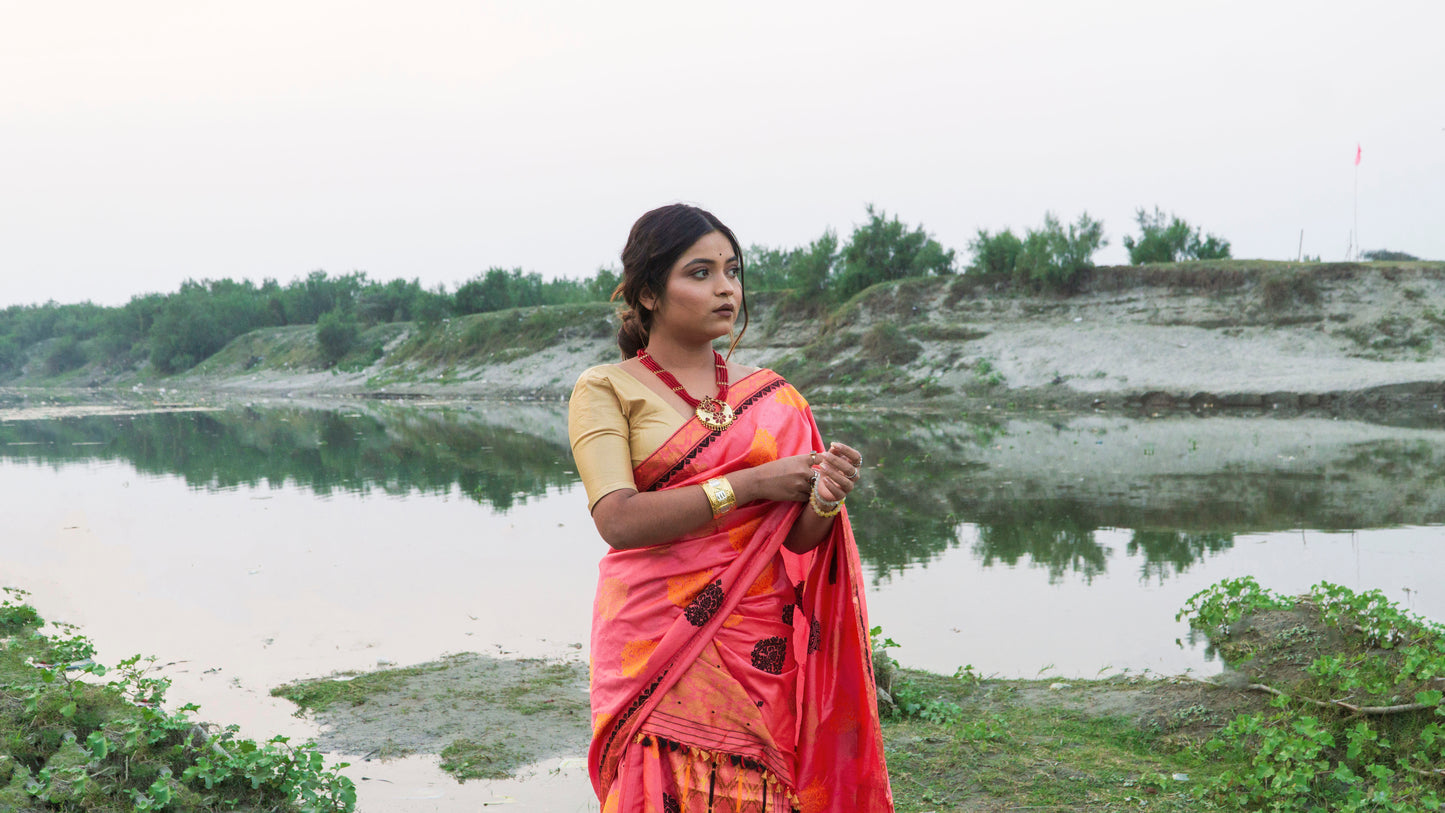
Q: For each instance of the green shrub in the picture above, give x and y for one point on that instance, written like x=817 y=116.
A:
x=1053 y=256
x=883 y=250
x=1358 y=714
x=76 y=736
x=337 y=334
x=995 y=253
x=886 y=344
x=65 y=355
x=1380 y=255
x=1165 y=238
x=1281 y=289
x=1049 y=257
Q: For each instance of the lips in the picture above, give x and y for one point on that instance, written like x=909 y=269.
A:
x=727 y=310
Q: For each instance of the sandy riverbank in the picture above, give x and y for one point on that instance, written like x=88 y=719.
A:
x=1362 y=341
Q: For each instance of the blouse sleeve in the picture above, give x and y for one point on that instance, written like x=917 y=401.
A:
x=598 y=431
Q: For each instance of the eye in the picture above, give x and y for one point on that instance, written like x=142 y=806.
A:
x=733 y=271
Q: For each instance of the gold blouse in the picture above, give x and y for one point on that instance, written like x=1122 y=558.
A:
x=614 y=423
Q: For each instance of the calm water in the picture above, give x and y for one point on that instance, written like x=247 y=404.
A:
x=255 y=545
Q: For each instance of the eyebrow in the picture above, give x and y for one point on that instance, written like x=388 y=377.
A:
x=709 y=260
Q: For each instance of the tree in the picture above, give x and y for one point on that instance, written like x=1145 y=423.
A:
x=185 y=332
x=1384 y=255
x=601 y=285
x=1054 y=256
x=337 y=334
x=498 y=289
x=995 y=253
x=802 y=270
x=1165 y=238
x=883 y=250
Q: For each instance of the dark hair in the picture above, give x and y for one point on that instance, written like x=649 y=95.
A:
x=657 y=239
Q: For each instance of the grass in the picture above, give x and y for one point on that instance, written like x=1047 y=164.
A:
x=504 y=335
x=1391 y=333
x=349 y=688
x=1006 y=750
x=486 y=717
x=491 y=759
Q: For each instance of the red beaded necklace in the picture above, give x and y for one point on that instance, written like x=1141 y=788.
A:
x=713 y=412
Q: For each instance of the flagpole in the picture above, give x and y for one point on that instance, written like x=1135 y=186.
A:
x=1355 y=233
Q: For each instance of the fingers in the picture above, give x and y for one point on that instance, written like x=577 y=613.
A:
x=842 y=460
x=839 y=470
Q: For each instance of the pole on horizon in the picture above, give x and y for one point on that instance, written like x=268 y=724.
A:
x=1355 y=232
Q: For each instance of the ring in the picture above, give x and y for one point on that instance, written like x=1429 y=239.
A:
x=855 y=475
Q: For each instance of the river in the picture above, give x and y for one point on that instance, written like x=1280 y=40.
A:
x=252 y=545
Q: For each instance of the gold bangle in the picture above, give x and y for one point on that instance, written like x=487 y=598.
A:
x=820 y=506
x=720 y=496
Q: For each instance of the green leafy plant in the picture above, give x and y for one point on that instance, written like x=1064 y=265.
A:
x=1052 y=256
x=1360 y=726
x=74 y=741
x=1165 y=238
x=884 y=249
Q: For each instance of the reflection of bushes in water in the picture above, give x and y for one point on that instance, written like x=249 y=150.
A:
x=906 y=510
x=1169 y=552
x=1052 y=539
x=1415 y=460
x=893 y=534
x=321 y=450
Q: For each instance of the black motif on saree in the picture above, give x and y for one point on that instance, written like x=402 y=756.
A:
x=707 y=602
x=770 y=654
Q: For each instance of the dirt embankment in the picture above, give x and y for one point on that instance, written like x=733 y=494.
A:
x=1356 y=339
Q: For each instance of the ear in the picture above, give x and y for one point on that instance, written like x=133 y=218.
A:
x=647 y=299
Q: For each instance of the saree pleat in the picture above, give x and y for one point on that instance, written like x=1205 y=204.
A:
x=727 y=672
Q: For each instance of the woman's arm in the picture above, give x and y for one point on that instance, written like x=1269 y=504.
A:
x=629 y=519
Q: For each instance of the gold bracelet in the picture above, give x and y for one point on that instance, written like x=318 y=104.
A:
x=720 y=496
x=822 y=507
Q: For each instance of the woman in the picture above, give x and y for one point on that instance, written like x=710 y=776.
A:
x=731 y=665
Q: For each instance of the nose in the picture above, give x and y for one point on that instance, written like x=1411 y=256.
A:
x=727 y=286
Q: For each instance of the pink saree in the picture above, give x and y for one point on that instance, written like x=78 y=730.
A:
x=724 y=667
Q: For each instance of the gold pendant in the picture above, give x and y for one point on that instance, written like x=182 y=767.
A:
x=714 y=414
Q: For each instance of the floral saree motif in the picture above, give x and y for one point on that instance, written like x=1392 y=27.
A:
x=729 y=647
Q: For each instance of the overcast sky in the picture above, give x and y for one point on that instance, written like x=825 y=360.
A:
x=144 y=143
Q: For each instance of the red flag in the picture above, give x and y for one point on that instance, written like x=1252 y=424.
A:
x=1358 y=153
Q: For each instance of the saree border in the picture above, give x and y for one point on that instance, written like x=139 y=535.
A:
x=674 y=455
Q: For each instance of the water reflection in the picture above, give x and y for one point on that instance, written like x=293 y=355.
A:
x=1168 y=552
x=1039 y=493
x=396 y=451
x=1036 y=493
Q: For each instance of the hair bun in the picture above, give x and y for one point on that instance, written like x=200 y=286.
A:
x=632 y=336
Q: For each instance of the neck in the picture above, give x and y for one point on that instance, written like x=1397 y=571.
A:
x=679 y=356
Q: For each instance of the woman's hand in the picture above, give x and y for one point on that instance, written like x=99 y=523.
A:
x=838 y=471
x=787 y=479
x=790 y=479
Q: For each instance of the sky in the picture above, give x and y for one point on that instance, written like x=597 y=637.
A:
x=146 y=143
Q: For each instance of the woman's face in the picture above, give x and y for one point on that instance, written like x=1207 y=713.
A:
x=700 y=301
